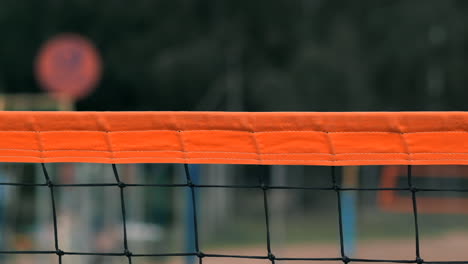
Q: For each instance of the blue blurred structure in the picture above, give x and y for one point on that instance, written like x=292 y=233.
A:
x=349 y=209
x=348 y=205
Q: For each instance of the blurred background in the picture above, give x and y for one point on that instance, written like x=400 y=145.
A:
x=275 y=55
x=231 y=55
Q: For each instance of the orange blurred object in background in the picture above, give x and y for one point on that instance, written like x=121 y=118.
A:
x=68 y=67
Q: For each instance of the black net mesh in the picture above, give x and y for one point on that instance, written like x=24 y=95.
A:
x=199 y=253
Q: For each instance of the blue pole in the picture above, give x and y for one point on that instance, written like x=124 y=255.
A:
x=349 y=209
x=189 y=225
x=348 y=205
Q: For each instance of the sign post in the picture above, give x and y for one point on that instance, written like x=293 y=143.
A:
x=68 y=67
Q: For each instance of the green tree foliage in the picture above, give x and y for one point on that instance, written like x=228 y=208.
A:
x=256 y=55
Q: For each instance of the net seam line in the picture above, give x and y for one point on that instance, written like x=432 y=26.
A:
x=332 y=147
x=405 y=144
x=257 y=147
x=180 y=136
x=103 y=124
x=39 y=139
x=257 y=143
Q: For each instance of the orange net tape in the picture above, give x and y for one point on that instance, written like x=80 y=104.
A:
x=350 y=138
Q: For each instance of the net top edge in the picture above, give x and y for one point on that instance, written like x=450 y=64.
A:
x=295 y=138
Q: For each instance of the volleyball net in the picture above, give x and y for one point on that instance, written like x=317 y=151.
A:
x=407 y=146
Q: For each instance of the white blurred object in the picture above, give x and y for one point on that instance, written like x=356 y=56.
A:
x=141 y=231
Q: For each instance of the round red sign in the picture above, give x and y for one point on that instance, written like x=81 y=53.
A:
x=68 y=67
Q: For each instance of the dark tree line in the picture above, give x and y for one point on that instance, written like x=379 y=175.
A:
x=255 y=55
